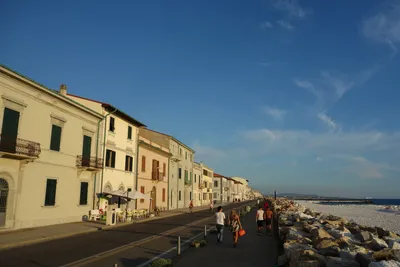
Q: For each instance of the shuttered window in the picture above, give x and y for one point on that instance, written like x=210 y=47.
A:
x=55 y=138
x=128 y=163
x=142 y=191
x=51 y=188
x=110 y=158
x=83 y=198
x=163 y=195
x=179 y=195
x=164 y=169
x=112 y=124
x=143 y=163
x=179 y=173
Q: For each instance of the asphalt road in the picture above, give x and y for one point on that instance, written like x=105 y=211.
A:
x=64 y=251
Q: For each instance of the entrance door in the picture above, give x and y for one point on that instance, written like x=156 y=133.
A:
x=154 y=197
x=9 y=131
x=86 y=150
x=3 y=201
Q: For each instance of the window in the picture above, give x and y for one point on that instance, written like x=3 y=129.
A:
x=164 y=169
x=205 y=172
x=180 y=173
x=179 y=195
x=55 y=138
x=171 y=197
x=110 y=158
x=210 y=195
x=185 y=154
x=143 y=163
x=163 y=195
x=190 y=195
x=112 y=124
x=129 y=132
x=215 y=195
x=186 y=175
x=191 y=176
x=215 y=183
x=199 y=196
x=204 y=196
x=195 y=178
x=83 y=198
x=142 y=191
x=51 y=188
x=128 y=163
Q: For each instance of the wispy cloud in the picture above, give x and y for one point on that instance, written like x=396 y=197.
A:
x=267 y=25
x=327 y=120
x=210 y=153
x=285 y=24
x=384 y=27
x=292 y=8
x=275 y=113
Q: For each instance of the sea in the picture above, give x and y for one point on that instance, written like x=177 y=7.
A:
x=375 y=201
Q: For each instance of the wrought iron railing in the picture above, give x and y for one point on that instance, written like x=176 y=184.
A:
x=188 y=182
x=91 y=162
x=19 y=146
x=157 y=176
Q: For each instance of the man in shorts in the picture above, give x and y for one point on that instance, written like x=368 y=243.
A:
x=260 y=220
x=268 y=220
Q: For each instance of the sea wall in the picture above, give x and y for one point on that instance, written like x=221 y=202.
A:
x=314 y=239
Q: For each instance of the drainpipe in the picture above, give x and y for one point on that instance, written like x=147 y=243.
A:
x=104 y=145
x=137 y=165
x=97 y=152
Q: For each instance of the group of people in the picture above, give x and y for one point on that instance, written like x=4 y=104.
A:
x=263 y=215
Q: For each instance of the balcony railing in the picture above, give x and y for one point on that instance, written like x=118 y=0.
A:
x=201 y=186
x=19 y=147
x=157 y=176
x=89 y=163
x=188 y=182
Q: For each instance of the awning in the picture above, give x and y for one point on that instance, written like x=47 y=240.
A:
x=138 y=195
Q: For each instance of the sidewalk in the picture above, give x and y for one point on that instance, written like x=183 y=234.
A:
x=252 y=250
x=22 y=237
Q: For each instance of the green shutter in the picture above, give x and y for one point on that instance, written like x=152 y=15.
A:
x=83 y=198
x=191 y=176
x=55 y=138
x=51 y=188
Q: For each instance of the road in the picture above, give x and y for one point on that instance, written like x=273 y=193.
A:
x=65 y=251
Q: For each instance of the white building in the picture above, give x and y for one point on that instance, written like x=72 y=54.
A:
x=180 y=168
x=221 y=188
x=48 y=154
x=243 y=188
x=197 y=191
x=118 y=138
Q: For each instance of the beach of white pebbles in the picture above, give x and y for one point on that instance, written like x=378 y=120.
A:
x=369 y=215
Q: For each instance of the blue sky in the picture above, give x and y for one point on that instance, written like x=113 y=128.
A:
x=297 y=96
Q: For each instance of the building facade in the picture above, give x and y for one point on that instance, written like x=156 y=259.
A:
x=220 y=188
x=207 y=184
x=153 y=174
x=48 y=160
x=180 y=168
x=197 y=191
x=243 y=188
x=118 y=138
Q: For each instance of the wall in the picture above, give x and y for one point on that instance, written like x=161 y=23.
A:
x=208 y=179
x=39 y=109
x=197 y=193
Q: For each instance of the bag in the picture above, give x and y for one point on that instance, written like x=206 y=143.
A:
x=242 y=232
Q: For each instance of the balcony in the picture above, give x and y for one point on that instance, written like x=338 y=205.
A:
x=89 y=164
x=201 y=186
x=157 y=176
x=16 y=148
x=188 y=182
x=226 y=188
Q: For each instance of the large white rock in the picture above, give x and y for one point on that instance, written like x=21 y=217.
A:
x=378 y=244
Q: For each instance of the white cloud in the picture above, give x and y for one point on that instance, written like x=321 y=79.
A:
x=275 y=113
x=332 y=146
x=285 y=24
x=292 y=8
x=267 y=25
x=327 y=120
x=384 y=27
x=341 y=86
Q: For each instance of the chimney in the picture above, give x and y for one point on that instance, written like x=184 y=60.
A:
x=63 y=89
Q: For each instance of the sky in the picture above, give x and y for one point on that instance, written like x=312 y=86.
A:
x=297 y=96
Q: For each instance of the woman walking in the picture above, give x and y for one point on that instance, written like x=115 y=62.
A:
x=236 y=225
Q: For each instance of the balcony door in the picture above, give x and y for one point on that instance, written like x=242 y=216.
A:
x=9 y=130
x=86 y=150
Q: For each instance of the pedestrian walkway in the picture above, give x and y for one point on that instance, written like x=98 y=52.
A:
x=15 y=238
x=252 y=250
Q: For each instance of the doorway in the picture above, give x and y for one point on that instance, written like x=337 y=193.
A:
x=3 y=201
x=154 y=197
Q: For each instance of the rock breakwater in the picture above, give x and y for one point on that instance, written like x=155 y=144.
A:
x=314 y=239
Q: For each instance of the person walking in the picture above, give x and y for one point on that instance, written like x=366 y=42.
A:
x=211 y=206
x=260 y=220
x=191 y=206
x=268 y=220
x=235 y=225
x=220 y=218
